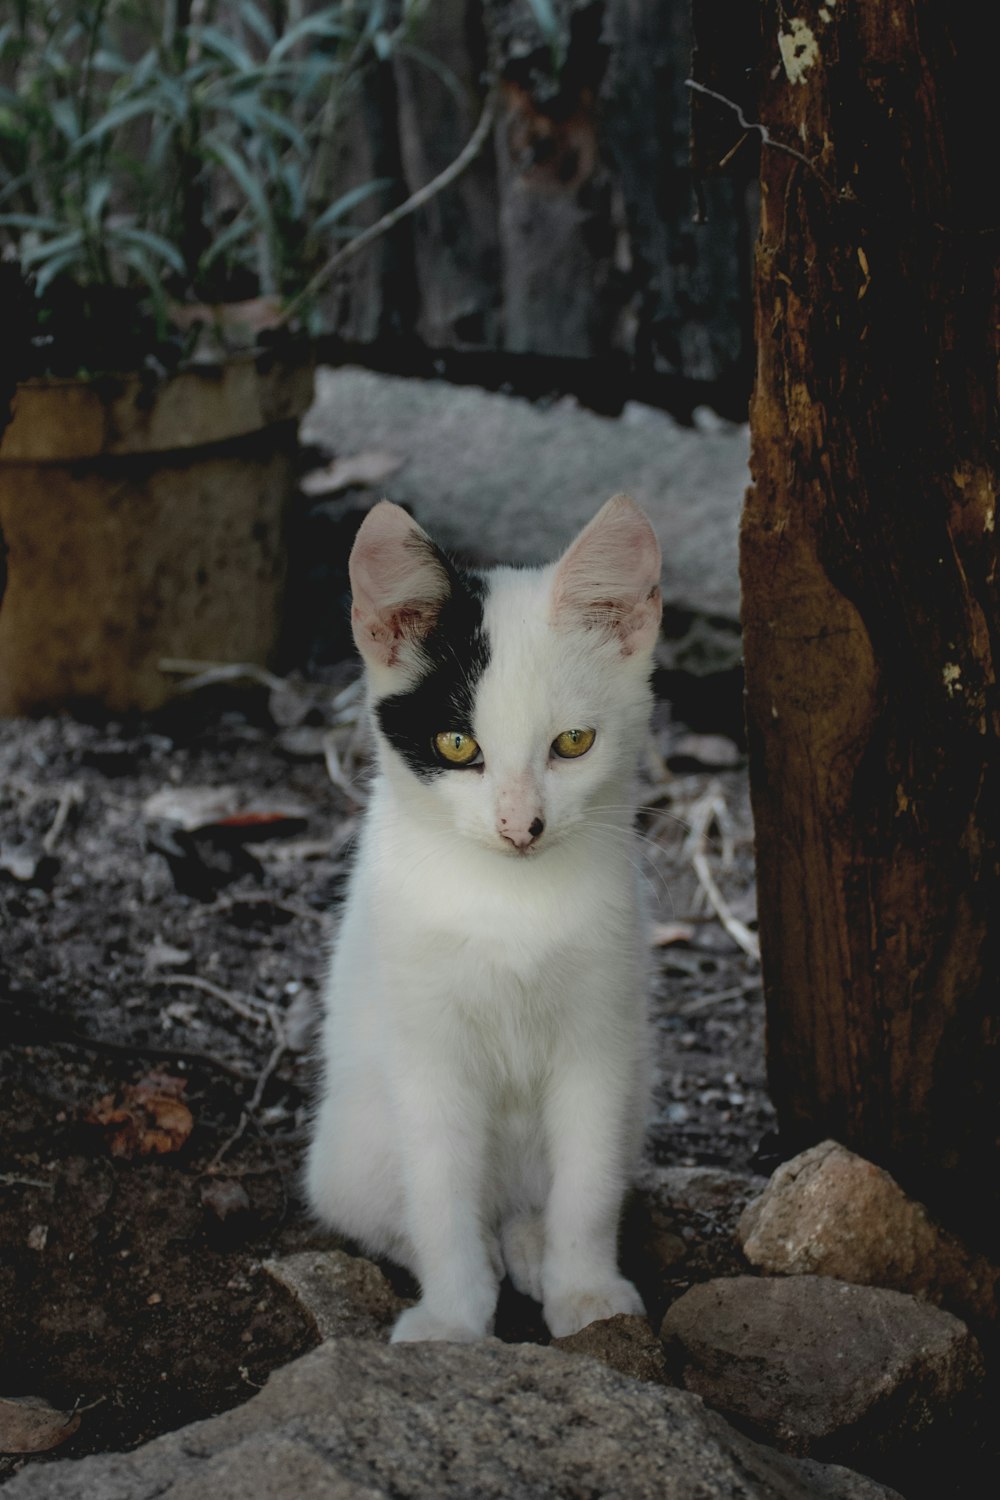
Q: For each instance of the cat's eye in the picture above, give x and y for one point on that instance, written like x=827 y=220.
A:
x=456 y=748
x=573 y=742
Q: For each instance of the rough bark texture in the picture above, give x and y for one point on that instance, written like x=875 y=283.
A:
x=871 y=608
x=572 y=237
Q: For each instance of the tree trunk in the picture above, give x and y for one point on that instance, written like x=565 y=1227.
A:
x=871 y=598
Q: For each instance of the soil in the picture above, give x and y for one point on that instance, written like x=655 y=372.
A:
x=138 y=951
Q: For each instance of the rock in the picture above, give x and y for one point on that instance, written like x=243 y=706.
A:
x=495 y=477
x=680 y=1227
x=832 y=1213
x=850 y=1374
x=355 y=1420
x=345 y=1295
x=713 y=1191
x=623 y=1343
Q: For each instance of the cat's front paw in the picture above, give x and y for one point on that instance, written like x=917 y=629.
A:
x=572 y=1310
x=418 y=1324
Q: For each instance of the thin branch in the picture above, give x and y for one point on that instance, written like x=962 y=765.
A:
x=766 y=136
x=703 y=1002
x=738 y=931
x=239 y=1004
x=250 y=1108
x=70 y=796
x=416 y=200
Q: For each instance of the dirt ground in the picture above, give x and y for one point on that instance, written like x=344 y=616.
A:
x=166 y=889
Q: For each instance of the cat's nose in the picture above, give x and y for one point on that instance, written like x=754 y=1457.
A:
x=520 y=837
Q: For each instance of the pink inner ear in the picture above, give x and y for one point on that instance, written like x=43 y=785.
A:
x=609 y=578
x=398 y=584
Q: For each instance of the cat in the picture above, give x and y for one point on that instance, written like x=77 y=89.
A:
x=484 y=1047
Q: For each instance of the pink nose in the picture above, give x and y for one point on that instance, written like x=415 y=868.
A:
x=522 y=838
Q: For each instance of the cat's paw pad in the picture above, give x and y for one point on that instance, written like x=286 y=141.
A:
x=523 y=1252
x=419 y=1324
x=573 y=1310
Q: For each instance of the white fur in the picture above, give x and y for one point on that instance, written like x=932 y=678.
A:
x=484 y=1048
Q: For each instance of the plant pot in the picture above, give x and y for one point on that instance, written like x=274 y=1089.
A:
x=144 y=521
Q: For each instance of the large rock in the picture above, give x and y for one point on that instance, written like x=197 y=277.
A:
x=857 y=1375
x=356 y=1421
x=832 y=1213
x=493 y=476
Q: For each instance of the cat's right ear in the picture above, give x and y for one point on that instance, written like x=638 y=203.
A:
x=398 y=584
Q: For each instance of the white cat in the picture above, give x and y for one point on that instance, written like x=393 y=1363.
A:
x=485 y=1086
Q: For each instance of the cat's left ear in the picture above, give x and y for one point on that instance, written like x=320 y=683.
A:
x=609 y=579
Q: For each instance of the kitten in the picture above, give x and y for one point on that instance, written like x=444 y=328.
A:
x=485 y=1085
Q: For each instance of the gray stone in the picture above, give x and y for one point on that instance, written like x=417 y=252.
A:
x=680 y=1226
x=345 y=1295
x=719 y=1194
x=833 y=1213
x=355 y=1421
x=503 y=480
x=857 y=1375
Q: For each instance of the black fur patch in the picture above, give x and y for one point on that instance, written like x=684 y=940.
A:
x=457 y=653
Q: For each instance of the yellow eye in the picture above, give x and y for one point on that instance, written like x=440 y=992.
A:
x=456 y=748
x=573 y=742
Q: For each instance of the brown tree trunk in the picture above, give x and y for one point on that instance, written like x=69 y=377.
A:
x=871 y=596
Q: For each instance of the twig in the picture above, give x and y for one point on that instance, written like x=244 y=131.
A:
x=738 y=931
x=250 y=1108
x=201 y=674
x=261 y=898
x=416 y=200
x=703 y=1002
x=241 y=1006
x=70 y=796
x=10 y=1179
x=766 y=136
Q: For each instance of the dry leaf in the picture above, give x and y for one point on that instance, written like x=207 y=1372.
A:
x=224 y=1197
x=145 y=1119
x=30 y=1425
x=665 y=934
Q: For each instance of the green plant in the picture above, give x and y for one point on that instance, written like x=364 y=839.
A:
x=172 y=151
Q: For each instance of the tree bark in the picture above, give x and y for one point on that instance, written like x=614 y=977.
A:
x=871 y=595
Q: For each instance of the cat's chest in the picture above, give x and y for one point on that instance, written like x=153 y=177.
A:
x=525 y=919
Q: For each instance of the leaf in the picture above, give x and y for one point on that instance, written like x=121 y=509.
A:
x=129 y=109
x=258 y=22
x=254 y=115
x=225 y=46
x=350 y=200
x=30 y=221
x=148 y=1118
x=238 y=230
x=55 y=267
x=30 y=1425
x=106 y=61
x=244 y=178
x=154 y=243
x=97 y=201
x=66 y=119
x=322 y=24
x=39 y=254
